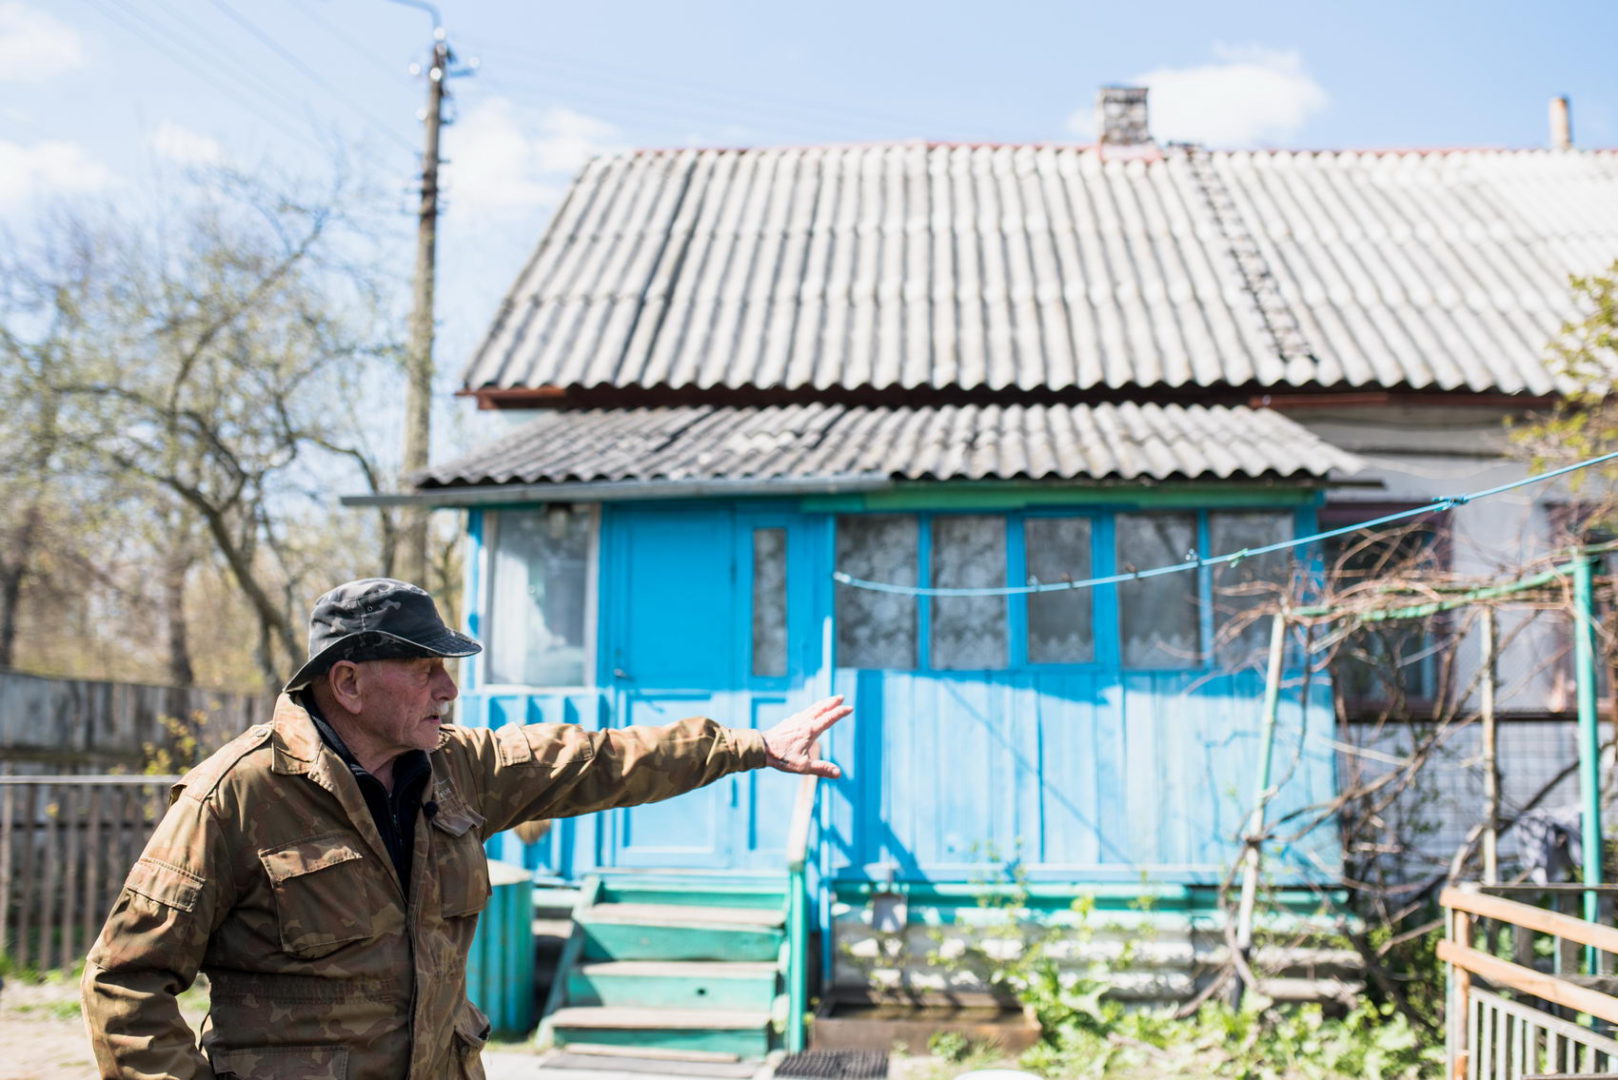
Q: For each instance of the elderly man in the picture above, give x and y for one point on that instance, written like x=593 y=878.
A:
x=326 y=869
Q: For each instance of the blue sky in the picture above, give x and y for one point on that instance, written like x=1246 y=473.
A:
x=107 y=99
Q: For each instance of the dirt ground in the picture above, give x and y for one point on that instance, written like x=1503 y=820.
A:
x=42 y=1038
x=42 y=1030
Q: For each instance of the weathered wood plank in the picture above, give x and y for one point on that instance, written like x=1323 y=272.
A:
x=51 y=864
x=71 y=807
x=1553 y=989
x=1545 y=922
x=8 y=840
x=27 y=899
x=94 y=900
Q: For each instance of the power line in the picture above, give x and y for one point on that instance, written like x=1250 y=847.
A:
x=714 y=91
x=342 y=35
x=1441 y=505
x=640 y=109
x=638 y=106
x=320 y=80
x=162 y=39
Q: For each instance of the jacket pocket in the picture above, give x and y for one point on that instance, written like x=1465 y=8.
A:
x=462 y=867
x=281 y=1063
x=321 y=899
x=471 y=1033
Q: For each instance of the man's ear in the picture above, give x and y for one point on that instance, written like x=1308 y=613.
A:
x=344 y=680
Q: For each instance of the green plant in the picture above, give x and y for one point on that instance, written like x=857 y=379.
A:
x=1086 y=1031
x=184 y=745
x=951 y=1046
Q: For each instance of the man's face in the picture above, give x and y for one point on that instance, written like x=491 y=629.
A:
x=403 y=702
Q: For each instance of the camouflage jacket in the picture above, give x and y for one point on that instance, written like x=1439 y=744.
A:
x=268 y=875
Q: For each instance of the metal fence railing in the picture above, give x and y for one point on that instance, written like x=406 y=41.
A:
x=66 y=845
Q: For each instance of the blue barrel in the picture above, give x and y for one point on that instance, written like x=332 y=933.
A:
x=500 y=970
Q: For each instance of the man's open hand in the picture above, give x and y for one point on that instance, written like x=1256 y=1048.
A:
x=789 y=745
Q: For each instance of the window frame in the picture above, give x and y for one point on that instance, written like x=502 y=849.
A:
x=1104 y=611
x=795 y=609
x=490 y=534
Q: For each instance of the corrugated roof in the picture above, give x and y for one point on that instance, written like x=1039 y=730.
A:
x=1051 y=268
x=947 y=442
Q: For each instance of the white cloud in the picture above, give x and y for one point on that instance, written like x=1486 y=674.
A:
x=503 y=161
x=35 y=46
x=1250 y=96
x=184 y=146
x=52 y=167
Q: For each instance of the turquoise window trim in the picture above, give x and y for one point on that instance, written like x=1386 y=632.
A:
x=924 y=605
x=1017 y=606
x=1104 y=562
x=1205 y=607
x=967 y=498
x=1103 y=556
x=472 y=598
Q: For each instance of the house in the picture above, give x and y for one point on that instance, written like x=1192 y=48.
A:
x=727 y=374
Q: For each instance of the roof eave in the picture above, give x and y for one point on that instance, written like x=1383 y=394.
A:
x=473 y=495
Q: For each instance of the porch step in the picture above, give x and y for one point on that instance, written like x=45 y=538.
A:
x=684 y=965
x=692 y=892
x=630 y=1019
x=743 y=1032
x=708 y=985
x=685 y=915
x=639 y=931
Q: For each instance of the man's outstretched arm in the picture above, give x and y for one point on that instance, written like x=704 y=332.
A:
x=559 y=770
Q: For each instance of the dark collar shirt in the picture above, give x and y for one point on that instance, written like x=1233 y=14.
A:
x=395 y=811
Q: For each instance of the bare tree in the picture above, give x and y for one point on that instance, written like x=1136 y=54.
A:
x=207 y=370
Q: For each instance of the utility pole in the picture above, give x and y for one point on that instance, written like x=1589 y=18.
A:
x=412 y=557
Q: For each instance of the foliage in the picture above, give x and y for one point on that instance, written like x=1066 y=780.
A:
x=1585 y=354
x=950 y=1046
x=188 y=741
x=1065 y=971
x=186 y=395
x=1085 y=1033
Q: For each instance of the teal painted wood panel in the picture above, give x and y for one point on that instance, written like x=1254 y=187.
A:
x=754 y=992
x=628 y=941
x=500 y=965
x=1075 y=773
x=1071 y=776
x=697 y=891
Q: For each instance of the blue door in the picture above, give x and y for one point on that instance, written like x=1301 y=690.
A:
x=703 y=618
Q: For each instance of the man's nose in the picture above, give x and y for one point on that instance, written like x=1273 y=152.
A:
x=445 y=688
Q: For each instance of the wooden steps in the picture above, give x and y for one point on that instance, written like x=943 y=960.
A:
x=696 y=984
x=604 y=1019
x=685 y=915
x=687 y=965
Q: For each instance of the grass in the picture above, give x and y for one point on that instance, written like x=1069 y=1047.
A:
x=51 y=1010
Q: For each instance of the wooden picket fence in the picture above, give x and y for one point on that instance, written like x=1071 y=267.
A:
x=66 y=845
x=1518 y=1011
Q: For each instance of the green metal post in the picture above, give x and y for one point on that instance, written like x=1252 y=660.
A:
x=798 y=962
x=1584 y=659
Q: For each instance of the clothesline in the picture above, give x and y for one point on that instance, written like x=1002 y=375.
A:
x=1439 y=505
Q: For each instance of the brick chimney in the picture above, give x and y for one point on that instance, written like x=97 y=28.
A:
x=1561 y=124
x=1121 y=117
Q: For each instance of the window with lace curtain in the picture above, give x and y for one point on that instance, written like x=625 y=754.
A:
x=1169 y=622
x=538 y=595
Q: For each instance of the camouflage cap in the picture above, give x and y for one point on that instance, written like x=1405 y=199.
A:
x=376 y=619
